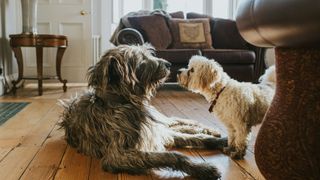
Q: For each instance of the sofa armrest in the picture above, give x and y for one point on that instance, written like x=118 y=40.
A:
x=129 y=36
x=260 y=64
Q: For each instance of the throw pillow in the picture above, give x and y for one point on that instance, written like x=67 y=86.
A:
x=190 y=33
x=154 y=28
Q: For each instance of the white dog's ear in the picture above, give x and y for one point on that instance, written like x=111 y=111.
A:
x=208 y=77
x=207 y=74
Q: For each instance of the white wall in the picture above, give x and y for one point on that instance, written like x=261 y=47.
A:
x=11 y=24
x=8 y=26
x=101 y=21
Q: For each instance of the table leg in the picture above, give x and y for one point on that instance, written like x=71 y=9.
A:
x=60 y=53
x=18 y=54
x=288 y=143
x=39 y=51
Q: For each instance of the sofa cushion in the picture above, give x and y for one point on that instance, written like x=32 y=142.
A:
x=194 y=33
x=224 y=32
x=230 y=56
x=227 y=35
x=193 y=15
x=242 y=72
x=155 y=28
x=178 y=14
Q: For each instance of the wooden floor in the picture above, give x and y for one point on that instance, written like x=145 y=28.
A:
x=32 y=146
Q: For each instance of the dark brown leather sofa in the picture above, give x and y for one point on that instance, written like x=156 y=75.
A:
x=288 y=143
x=241 y=60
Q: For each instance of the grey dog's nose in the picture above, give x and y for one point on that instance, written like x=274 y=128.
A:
x=168 y=65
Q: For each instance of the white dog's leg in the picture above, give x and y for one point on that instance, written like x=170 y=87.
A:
x=231 y=136
x=240 y=142
x=231 y=140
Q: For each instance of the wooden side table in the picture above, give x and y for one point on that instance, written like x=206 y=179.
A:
x=39 y=41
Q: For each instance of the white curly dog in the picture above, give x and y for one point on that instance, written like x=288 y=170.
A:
x=239 y=105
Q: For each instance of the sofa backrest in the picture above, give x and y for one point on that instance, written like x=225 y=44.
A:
x=154 y=26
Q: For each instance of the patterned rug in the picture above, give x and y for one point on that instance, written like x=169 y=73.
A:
x=9 y=109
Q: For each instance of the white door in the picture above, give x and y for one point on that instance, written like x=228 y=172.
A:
x=64 y=17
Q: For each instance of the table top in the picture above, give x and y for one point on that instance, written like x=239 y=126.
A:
x=38 y=40
x=44 y=36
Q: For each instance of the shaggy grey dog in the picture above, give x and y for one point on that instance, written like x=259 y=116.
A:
x=115 y=122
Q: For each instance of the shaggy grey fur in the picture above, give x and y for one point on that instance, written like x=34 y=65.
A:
x=115 y=122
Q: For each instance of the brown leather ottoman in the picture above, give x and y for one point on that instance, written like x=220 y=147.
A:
x=288 y=143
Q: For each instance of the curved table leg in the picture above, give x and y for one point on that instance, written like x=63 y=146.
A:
x=39 y=51
x=18 y=54
x=288 y=143
x=60 y=53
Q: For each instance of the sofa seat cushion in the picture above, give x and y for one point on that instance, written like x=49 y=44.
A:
x=230 y=56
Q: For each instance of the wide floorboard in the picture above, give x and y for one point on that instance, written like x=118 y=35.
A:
x=33 y=147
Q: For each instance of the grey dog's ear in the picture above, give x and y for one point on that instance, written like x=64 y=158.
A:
x=106 y=72
x=93 y=77
x=116 y=72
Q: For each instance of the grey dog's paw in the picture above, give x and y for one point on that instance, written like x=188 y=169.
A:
x=205 y=171
x=211 y=132
x=234 y=153
x=227 y=150
x=237 y=154
x=224 y=142
x=215 y=143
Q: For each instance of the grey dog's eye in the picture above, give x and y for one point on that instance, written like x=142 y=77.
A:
x=153 y=53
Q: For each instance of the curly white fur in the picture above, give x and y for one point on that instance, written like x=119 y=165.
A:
x=240 y=105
